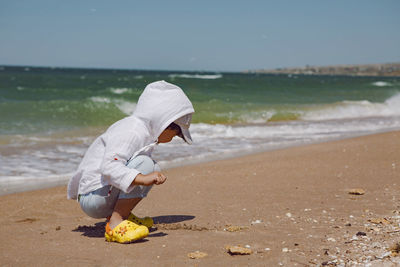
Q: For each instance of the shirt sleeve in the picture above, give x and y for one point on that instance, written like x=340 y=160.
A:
x=119 y=147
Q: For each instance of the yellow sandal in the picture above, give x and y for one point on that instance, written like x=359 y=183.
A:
x=146 y=221
x=125 y=232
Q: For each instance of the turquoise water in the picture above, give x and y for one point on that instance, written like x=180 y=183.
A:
x=49 y=116
x=53 y=99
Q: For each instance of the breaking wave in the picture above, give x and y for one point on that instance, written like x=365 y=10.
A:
x=124 y=106
x=119 y=91
x=381 y=84
x=196 y=76
x=356 y=109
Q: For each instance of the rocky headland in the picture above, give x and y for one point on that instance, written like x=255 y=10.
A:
x=388 y=69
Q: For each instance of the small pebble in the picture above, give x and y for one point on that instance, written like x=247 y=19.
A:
x=197 y=255
x=357 y=191
x=238 y=250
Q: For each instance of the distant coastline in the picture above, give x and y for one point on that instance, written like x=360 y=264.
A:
x=387 y=69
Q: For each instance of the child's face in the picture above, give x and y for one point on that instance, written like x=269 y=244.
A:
x=167 y=135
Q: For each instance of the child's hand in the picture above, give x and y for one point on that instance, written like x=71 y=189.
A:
x=149 y=179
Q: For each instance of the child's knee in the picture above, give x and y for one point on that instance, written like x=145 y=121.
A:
x=143 y=163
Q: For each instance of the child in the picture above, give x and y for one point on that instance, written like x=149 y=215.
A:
x=117 y=171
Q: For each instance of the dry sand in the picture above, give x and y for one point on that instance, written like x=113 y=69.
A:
x=291 y=207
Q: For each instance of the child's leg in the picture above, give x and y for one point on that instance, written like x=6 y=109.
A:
x=99 y=203
x=128 y=201
x=122 y=210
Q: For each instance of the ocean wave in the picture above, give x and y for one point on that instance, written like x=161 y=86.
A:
x=219 y=141
x=312 y=112
x=100 y=99
x=196 y=76
x=12 y=184
x=202 y=131
x=52 y=160
x=294 y=130
x=257 y=116
x=6 y=180
x=356 y=109
x=119 y=91
x=381 y=83
x=274 y=113
x=124 y=106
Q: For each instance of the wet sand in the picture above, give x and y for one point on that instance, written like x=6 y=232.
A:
x=292 y=207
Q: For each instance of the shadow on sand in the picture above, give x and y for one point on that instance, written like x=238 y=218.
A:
x=97 y=230
x=172 y=218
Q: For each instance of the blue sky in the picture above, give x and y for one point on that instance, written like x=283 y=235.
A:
x=198 y=35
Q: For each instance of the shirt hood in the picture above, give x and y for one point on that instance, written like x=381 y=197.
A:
x=160 y=104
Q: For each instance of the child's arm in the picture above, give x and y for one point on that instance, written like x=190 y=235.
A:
x=149 y=179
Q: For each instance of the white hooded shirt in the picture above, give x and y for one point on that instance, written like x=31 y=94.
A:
x=104 y=163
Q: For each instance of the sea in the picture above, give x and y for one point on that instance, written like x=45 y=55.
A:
x=50 y=116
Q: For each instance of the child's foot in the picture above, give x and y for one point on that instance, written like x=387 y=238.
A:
x=125 y=232
x=146 y=221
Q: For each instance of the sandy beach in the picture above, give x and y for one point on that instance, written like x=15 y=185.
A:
x=291 y=207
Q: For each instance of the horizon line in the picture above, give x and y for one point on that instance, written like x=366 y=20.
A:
x=191 y=71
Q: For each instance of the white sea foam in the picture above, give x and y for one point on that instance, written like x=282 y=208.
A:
x=196 y=76
x=381 y=83
x=356 y=109
x=289 y=130
x=125 y=106
x=257 y=117
x=119 y=91
x=68 y=149
x=12 y=184
x=50 y=160
x=100 y=99
x=341 y=110
x=223 y=141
